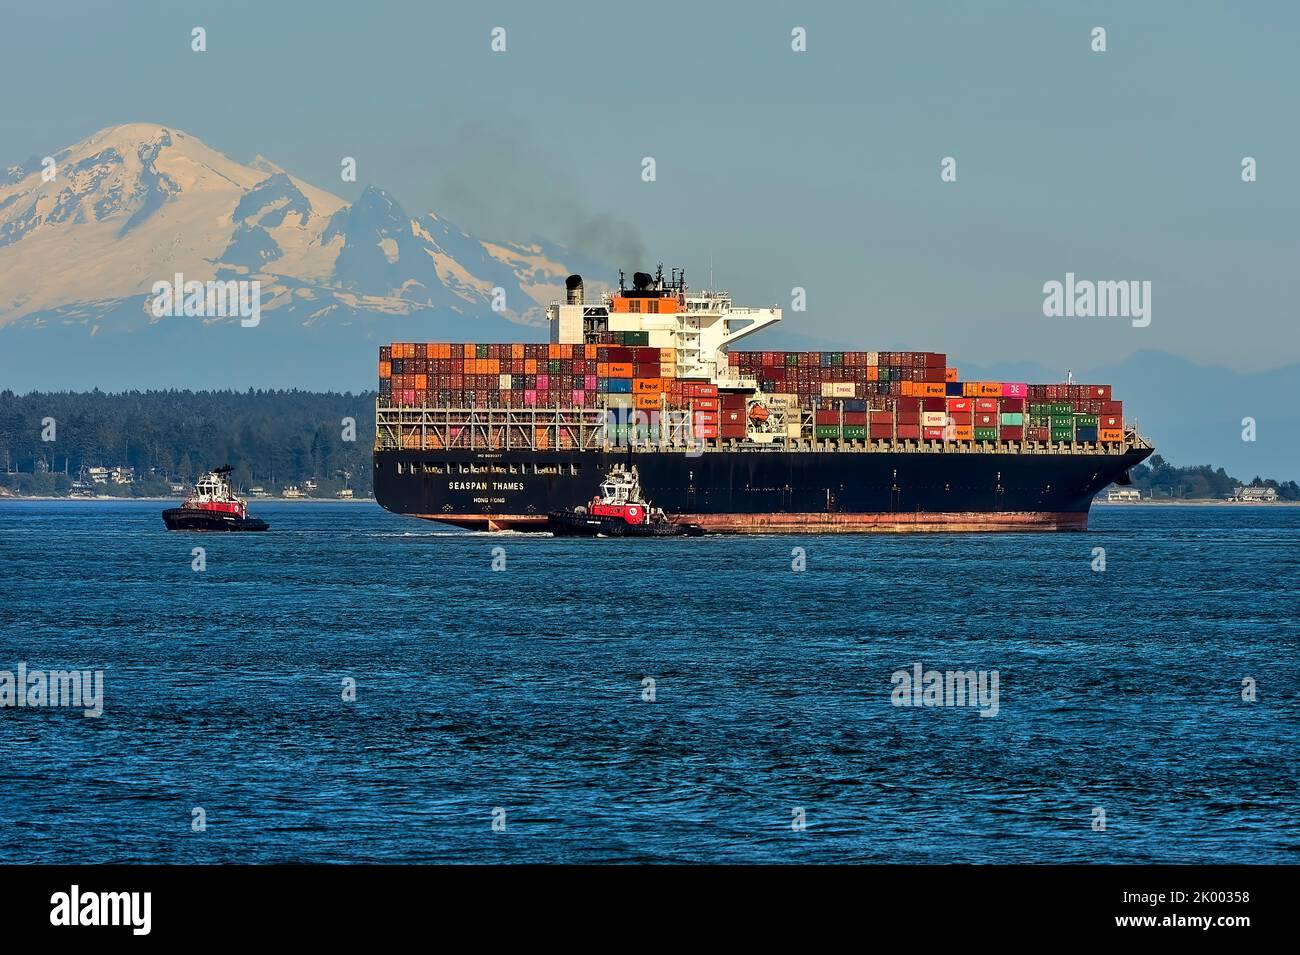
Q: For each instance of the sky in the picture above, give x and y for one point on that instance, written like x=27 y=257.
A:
x=817 y=169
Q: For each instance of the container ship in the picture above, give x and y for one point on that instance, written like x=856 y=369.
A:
x=497 y=436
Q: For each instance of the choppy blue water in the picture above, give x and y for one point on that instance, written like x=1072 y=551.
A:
x=522 y=689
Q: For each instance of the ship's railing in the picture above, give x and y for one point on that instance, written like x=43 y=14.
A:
x=551 y=429
x=425 y=428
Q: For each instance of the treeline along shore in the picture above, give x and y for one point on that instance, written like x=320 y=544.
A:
x=49 y=441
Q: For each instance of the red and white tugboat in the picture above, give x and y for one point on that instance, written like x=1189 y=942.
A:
x=213 y=507
x=619 y=510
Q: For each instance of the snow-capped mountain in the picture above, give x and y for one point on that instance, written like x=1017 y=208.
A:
x=84 y=239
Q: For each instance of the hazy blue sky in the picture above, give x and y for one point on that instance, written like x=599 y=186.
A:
x=816 y=169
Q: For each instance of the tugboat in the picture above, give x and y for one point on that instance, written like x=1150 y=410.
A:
x=618 y=510
x=212 y=507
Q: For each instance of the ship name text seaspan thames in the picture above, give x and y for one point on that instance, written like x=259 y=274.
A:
x=495 y=436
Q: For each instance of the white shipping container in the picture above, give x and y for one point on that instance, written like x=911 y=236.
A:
x=934 y=419
x=505 y=383
x=873 y=358
x=838 y=389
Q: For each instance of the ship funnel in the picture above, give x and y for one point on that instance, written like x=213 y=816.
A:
x=641 y=280
x=573 y=285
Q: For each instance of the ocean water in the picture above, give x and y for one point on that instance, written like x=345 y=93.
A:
x=518 y=695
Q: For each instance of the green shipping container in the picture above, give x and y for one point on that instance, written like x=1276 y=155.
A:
x=1063 y=421
x=1040 y=408
x=884 y=373
x=986 y=434
x=636 y=338
x=825 y=431
x=1061 y=407
x=1085 y=421
x=1062 y=434
x=481 y=351
x=1040 y=421
x=1013 y=418
x=855 y=432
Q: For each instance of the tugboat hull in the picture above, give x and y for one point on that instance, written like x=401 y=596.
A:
x=570 y=524
x=195 y=519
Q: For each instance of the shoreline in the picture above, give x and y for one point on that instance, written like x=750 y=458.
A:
x=1199 y=502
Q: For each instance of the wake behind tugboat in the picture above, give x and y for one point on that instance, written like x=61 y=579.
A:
x=213 y=507
x=619 y=510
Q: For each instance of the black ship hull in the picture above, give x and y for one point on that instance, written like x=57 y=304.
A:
x=196 y=519
x=761 y=491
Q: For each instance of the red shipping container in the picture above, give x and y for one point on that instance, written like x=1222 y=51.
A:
x=705 y=404
x=881 y=431
x=1012 y=433
x=932 y=434
x=933 y=404
x=1111 y=407
x=1101 y=392
x=1110 y=421
x=882 y=417
x=985 y=404
x=828 y=417
x=910 y=432
x=984 y=420
x=961 y=404
x=1042 y=435
x=1013 y=404
x=907 y=403
x=909 y=418
x=961 y=417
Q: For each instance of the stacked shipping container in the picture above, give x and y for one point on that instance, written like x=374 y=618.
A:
x=854 y=396
x=916 y=396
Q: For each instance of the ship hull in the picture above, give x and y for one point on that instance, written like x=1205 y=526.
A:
x=761 y=491
x=197 y=519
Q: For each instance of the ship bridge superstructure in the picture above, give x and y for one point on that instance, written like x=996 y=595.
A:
x=700 y=326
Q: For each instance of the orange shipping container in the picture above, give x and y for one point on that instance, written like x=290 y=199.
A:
x=1111 y=435
x=950 y=374
x=873 y=373
x=517 y=351
x=530 y=366
x=963 y=432
x=385 y=369
x=620 y=369
x=647 y=386
x=929 y=389
x=649 y=402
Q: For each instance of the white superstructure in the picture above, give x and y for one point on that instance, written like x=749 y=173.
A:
x=700 y=326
